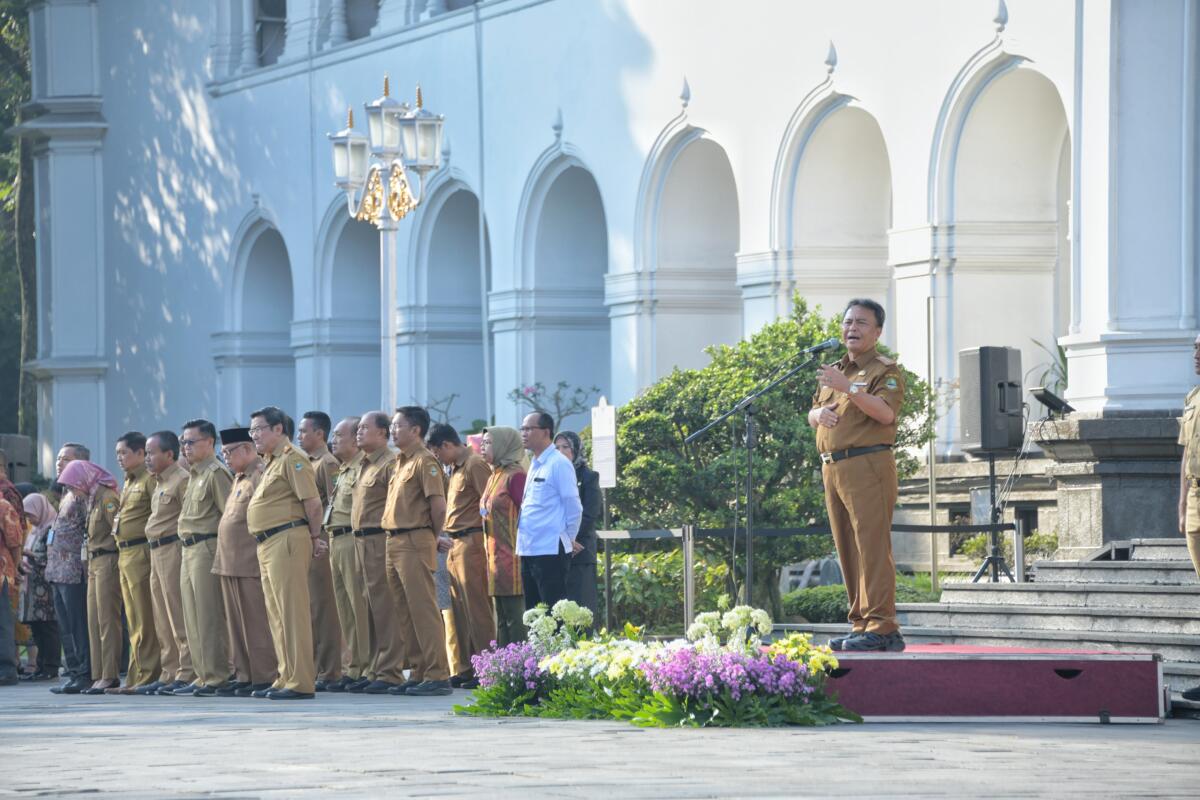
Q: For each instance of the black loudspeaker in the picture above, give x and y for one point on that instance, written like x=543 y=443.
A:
x=990 y=411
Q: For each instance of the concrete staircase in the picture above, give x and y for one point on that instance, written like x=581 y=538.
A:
x=1140 y=595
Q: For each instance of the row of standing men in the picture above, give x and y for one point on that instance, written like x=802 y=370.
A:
x=277 y=571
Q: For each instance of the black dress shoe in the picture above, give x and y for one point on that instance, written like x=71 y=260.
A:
x=456 y=681
x=339 y=685
x=230 y=689
x=204 y=690
x=378 y=687
x=73 y=686
x=403 y=688
x=359 y=686
x=186 y=690
x=839 y=642
x=870 y=642
x=93 y=690
x=431 y=689
x=289 y=694
x=263 y=692
x=469 y=683
x=149 y=688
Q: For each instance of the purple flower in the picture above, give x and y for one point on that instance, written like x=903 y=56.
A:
x=513 y=665
x=689 y=672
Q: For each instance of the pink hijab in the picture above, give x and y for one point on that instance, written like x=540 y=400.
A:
x=86 y=477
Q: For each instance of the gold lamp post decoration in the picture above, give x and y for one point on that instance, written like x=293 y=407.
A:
x=399 y=138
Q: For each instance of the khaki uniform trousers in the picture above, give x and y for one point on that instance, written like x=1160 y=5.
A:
x=166 y=563
x=1192 y=523
x=204 y=614
x=145 y=660
x=411 y=564
x=454 y=648
x=387 y=662
x=327 y=632
x=467 y=564
x=284 y=560
x=250 y=643
x=104 y=616
x=350 y=593
x=860 y=495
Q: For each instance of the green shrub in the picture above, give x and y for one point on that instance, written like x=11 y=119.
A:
x=817 y=604
x=1037 y=546
x=647 y=589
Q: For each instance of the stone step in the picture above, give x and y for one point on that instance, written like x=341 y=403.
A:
x=1165 y=573
x=1076 y=595
x=1174 y=549
x=977 y=616
x=1181 y=654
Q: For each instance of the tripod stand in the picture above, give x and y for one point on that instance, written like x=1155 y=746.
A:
x=995 y=560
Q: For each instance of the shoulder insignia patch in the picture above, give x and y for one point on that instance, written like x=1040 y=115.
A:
x=891 y=384
x=110 y=506
x=298 y=466
x=887 y=362
x=433 y=471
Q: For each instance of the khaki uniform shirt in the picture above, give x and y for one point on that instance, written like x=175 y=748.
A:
x=135 y=504
x=873 y=374
x=204 y=501
x=101 y=520
x=237 y=551
x=287 y=481
x=417 y=478
x=326 y=466
x=167 y=502
x=1189 y=434
x=342 y=507
x=468 y=480
x=371 y=489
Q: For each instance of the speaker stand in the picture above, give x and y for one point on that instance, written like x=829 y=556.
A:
x=994 y=563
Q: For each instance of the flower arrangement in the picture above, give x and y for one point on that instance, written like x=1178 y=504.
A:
x=720 y=675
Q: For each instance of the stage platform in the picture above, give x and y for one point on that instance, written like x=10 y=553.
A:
x=965 y=683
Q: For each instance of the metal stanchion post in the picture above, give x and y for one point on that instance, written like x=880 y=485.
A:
x=608 y=609
x=689 y=575
x=1019 y=550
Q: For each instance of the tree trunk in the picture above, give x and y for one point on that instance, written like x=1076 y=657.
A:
x=23 y=239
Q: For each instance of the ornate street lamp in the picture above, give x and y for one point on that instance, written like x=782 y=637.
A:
x=373 y=170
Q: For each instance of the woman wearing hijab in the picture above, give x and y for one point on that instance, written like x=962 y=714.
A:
x=581 y=579
x=500 y=506
x=95 y=487
x=37 y=601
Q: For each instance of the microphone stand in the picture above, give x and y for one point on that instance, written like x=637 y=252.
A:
x=747 y=409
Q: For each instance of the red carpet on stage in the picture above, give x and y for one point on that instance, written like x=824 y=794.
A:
x=938 y=682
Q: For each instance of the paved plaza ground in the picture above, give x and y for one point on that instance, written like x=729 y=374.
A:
x=361 y=746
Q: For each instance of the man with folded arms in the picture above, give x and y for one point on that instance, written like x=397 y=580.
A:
x=349 y=584
x=366 y=518
x=466 y=561
x=315 y=428
x=236 y=564
x=285 y=519
x=413 y=518
x=203 y=608
x=166 y=562
x=133 y=563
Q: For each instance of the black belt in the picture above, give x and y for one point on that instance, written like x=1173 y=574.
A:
x=197 y=539
x=397 y=531
x=104 y=551
x=262 y=536
x=336 y=532
x=124 y=545
x=163 y=540
x=462 y=534
x=840 y=455
x=361 y=532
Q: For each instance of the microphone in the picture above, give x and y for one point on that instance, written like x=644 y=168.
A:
x=828 y=344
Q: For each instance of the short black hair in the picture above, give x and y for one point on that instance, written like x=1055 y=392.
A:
x=272 y=415
x=867 y=303
x=441 y=433
x=134 y=440
x=321 y=420
x=205 y=427
x=544 y=421
x=416 y=416
x=289 y=427
x=81 y=451
x=377 y=418
x=167 y=440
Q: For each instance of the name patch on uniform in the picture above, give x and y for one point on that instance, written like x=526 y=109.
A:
x=891 y=384
x=298 y=466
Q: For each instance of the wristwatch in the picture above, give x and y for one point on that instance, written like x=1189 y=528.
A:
x=855 y=388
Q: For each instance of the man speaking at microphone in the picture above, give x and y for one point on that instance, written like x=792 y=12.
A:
x=855 y=413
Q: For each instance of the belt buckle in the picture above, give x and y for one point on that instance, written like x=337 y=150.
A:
x=826 y=458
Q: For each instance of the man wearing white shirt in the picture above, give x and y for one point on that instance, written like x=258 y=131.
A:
x=550 y=515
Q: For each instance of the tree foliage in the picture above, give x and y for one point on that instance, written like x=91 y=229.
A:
x=665 y=483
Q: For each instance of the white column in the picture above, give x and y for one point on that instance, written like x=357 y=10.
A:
x=389 y=266
x=249 y=42
x=301 y=29
x=1135 y=206
x=394 y=14
x=338 y=32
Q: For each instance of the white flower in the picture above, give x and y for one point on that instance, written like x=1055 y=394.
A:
x=697 y=631
x=533 y=614
x=761 y=621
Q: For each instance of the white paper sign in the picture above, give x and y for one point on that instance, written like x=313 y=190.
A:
x=604 y=443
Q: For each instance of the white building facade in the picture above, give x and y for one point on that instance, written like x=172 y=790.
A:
x=652 y=176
